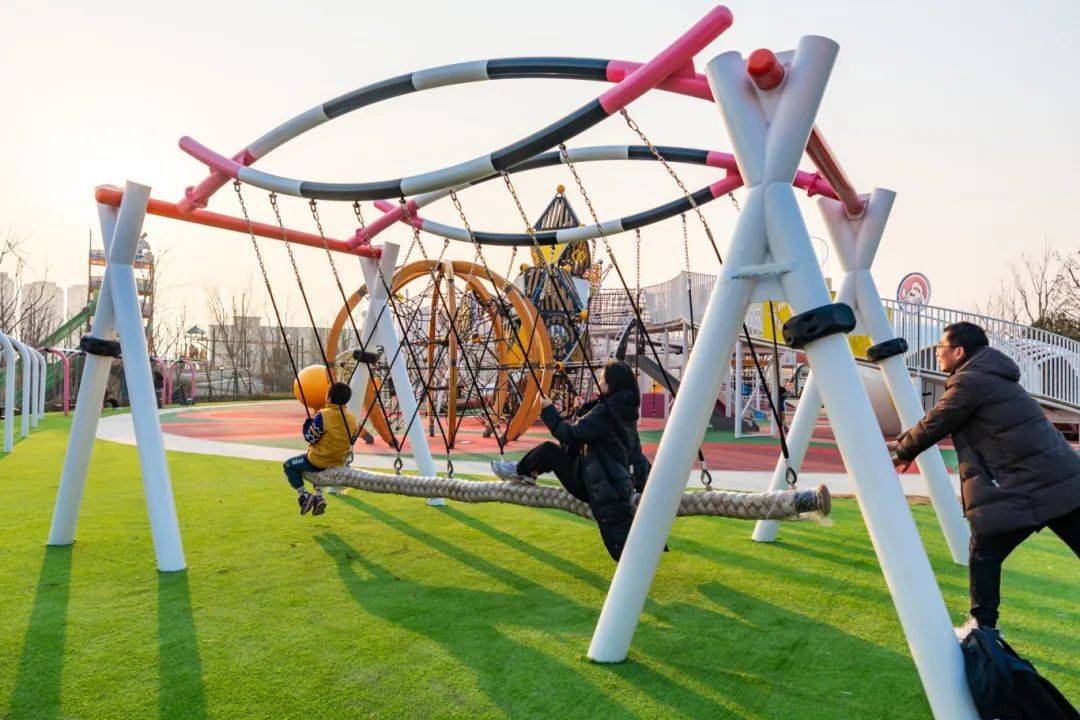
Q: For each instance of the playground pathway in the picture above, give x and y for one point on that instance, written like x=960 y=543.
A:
x=271 y=431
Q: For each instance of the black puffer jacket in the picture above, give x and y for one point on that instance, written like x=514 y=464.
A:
x=1016 y=469
x=606 y=435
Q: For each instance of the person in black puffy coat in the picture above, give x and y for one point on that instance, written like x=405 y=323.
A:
x=1018 y=474
x=596 y=453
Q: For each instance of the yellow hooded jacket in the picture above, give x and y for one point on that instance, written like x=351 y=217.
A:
x=330 y=434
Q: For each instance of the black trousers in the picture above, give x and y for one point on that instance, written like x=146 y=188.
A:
x=988 y=552
x=551 y=457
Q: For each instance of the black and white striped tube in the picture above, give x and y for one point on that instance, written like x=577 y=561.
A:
x=631 y=80
x=586 y=232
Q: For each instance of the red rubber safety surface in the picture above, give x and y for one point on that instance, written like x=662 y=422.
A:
x=278 y=424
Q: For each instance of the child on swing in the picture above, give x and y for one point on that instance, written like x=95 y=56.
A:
x=330 y=434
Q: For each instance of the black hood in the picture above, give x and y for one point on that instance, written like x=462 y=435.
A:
x=624 y=403
x=994 y=362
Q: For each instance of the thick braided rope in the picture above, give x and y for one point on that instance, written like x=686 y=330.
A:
x=783 y=505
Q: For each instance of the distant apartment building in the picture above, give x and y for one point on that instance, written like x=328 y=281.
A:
x=76 y=300
x=41 y=309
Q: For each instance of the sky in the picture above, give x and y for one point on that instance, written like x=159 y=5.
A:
x=964 y=108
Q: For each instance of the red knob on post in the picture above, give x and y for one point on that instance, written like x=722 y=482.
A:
x=764 y=69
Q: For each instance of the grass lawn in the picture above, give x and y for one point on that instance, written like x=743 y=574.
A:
x=385 y=607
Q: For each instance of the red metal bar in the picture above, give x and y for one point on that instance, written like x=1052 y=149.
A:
x=825 y=161
x=767 y=72
x=110 y=195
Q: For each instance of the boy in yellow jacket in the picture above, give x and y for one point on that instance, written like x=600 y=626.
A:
x=330 y=433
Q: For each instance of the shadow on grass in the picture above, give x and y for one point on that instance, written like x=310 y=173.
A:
x=37 y=682
x=548 y=558
x=772 y=661
x=467 y=626
x=465 y=623
x=180 y=689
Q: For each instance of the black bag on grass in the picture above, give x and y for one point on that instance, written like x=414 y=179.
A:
x=1007 y=687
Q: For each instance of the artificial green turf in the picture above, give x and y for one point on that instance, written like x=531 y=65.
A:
x=385 y=607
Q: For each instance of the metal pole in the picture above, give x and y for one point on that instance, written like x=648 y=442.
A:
x=9 y=392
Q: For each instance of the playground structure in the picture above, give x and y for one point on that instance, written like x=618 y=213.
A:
x=769 y=103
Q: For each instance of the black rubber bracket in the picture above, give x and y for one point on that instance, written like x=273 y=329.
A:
x=817 y=323
x=887 y=349
x=365 y=356
x=96 y=346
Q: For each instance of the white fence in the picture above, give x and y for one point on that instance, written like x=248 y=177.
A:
x=1049 y=363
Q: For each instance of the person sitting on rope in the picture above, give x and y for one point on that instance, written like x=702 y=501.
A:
x=330 y=434
x=595 y=454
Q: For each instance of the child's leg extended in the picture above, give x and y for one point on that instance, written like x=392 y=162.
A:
x=294 y=471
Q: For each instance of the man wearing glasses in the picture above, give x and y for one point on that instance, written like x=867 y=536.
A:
x=1018 y=474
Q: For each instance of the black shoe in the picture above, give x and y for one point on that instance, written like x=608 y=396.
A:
x=306 y=501
x=319 y=506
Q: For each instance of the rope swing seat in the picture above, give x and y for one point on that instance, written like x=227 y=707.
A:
x=781 y=505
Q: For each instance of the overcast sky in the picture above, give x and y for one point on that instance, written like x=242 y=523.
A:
x=967 y=109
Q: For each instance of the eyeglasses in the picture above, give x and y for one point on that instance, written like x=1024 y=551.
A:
x=941 y=346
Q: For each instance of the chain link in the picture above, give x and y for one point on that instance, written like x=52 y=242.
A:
x=685 y=245
x=670 y=171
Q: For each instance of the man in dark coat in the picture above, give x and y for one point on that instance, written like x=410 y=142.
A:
x=594 y=456
x=1017 y=472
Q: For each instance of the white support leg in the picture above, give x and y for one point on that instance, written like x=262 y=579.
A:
x=95 y=376
x=736 y=383
x=856 y=244
x=9 y=392
x=691 y=412
x=26 y=370
x=798 y=442
x=43 y=367
x=888 y=518
x=35 y=374
x=157 y=486
x=386 y=334
x=769 y=138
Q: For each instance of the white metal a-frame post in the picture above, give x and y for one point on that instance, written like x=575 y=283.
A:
x=856 y=241
x=379 y=330
x=8 y=350
x=769 y=131
x=118 y=312
x=26 y=375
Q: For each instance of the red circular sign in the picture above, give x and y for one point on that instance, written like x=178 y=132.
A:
x=914 y=289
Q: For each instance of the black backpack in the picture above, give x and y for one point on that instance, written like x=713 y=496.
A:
x=1007 y=687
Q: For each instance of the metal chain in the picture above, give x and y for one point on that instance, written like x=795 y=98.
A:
x=270 y=292
x=708 y=231
x=637 y=264
x=670 y=171
x=685 y=245
x=706 y=478
x=549 y=267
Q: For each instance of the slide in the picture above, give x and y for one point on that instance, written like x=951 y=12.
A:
x=719 y=420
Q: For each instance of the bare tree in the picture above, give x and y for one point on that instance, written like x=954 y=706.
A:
x=235 y=334
x=1042 y=290
x=29 y=309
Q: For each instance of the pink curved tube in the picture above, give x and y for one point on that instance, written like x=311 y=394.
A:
x=213 y=160
x=675 y=57
x=195 y=198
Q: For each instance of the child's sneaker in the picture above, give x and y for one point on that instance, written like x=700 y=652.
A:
x=306 y=501
x=319 y=507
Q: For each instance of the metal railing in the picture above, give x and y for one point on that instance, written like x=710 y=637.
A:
x=1049 y=363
